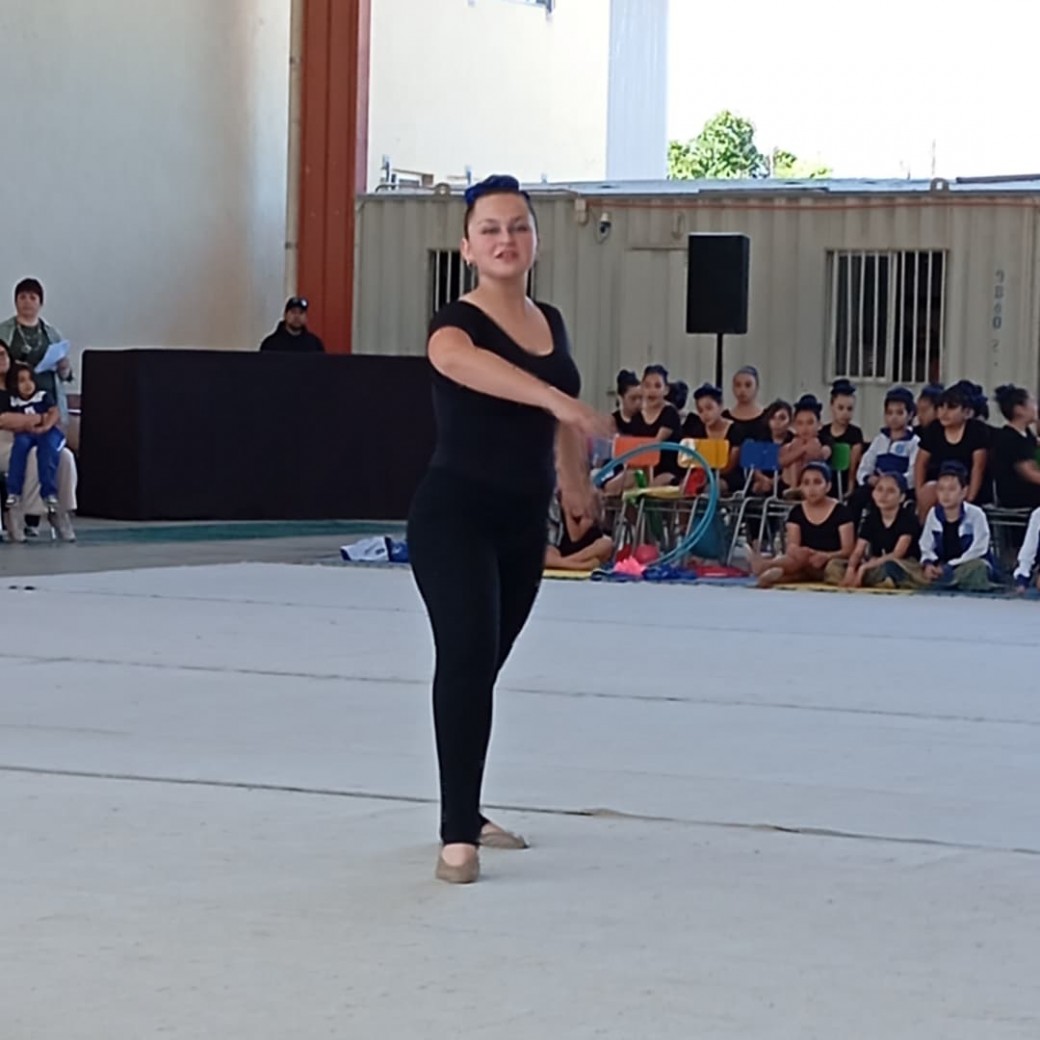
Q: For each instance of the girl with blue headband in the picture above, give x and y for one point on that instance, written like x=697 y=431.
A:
x=505 y=391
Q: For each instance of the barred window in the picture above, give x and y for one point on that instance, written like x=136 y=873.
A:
x=450 y=278
x=887 y=315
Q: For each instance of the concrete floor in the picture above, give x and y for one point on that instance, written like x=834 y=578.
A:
x=765 y=815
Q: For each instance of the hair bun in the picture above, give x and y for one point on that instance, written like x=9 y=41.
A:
x=1004 y=392
x=843 y=387
x=678 y=394
x=496 y=184
x=626 y=379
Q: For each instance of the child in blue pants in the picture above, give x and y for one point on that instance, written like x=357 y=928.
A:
x=46 y=437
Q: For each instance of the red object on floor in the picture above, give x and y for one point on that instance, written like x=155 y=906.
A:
x=647 y=554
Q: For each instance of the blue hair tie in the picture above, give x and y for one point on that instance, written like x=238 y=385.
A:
x=822 y=468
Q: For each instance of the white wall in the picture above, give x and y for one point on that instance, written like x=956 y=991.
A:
x=496 y=85
x=144 y=171
x=637 y=112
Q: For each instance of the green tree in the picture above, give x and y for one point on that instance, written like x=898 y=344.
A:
x=725 y=148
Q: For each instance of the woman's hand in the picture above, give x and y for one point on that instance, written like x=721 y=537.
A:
x=64 y=369
x=819 y=560
x=580 y=502
x=574 y=413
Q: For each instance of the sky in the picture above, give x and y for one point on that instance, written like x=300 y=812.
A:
x=869 y=87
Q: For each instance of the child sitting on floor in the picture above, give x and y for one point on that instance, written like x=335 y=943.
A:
x=582 y=546
x=955 y=541
x=819 y=530
x=888 y=544
x=1029 y=554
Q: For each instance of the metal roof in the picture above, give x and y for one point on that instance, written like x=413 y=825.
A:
x=1027 y=185
x=1021 y=184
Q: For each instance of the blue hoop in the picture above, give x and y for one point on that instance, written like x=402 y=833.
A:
x=702 y=525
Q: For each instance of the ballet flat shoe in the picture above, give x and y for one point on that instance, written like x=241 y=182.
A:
x=498 y=839
x=465 y=874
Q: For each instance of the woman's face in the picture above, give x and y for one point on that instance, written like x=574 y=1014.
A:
x=5 y=364
x=806 y=424
x=709 y=410
x=27 y=306
x=814 y=486
x=843 y=407
x=745 y=388
x=953 y=415
x=501 y=241
x=654 y=388
x=1029 y=411
x=887 y=494
x=779 y=424
x=632 y=400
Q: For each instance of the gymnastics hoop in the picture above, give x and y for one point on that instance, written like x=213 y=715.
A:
x=702 y=525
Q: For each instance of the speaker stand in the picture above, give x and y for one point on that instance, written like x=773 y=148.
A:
x=719 y=337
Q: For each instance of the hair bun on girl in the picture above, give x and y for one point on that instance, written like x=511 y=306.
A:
x=626 y=379
x=809 y=403
x=1004 y=393
x=843 y=388
x=708 y=390
x=678 y=394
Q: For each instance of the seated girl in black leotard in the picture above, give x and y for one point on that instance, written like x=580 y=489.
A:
x=708 y=423
x=842 y=430
x=778 y=417
x=955 y=437
x=628 y=416
x=819 y=529
x=1013 y=457
x=583 y=546
x=749 y=422
x=927 y=409
x=662 y=421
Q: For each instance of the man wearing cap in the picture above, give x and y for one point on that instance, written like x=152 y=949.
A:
x=292 y=335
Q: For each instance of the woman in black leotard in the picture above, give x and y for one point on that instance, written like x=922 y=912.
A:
x=505 y=396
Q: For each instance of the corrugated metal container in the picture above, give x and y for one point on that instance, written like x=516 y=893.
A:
x=950 y=273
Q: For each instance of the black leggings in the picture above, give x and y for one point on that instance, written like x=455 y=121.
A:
x=477 y=553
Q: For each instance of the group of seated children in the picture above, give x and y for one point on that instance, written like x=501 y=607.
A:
x=888 y=547
x=901 y=511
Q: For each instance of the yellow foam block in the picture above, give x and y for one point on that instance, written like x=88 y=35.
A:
x=551 y=573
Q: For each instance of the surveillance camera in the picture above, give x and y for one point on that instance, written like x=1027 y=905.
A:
x=605 y=224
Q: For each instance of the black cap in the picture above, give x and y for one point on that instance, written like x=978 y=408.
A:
x=295 y=303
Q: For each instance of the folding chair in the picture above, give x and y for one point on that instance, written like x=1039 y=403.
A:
x=840 y=462
x=1004 y=524
x=755 y=457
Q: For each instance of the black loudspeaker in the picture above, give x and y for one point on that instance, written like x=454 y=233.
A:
x=717 y=281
